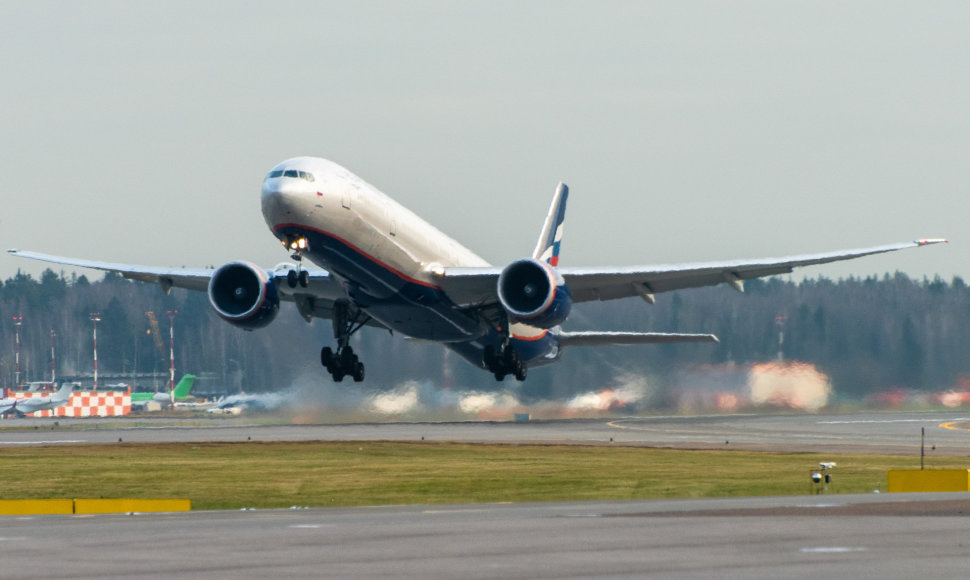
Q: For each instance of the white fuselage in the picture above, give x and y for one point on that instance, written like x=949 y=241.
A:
x=385 y=256
x=347 y=207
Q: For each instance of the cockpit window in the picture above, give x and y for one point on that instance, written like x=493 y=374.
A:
x=294 y=173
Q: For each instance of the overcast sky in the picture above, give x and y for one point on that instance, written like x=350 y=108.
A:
x=688 y=131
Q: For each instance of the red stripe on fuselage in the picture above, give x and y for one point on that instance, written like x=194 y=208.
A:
x=395 y=271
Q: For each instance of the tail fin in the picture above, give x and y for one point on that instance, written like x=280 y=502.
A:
x=182 y=389
x=547 y=250
x=63 y=393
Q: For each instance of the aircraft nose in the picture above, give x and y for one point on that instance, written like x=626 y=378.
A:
x=284 y=199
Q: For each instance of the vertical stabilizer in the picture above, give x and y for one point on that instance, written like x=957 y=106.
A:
x=182 y=389
x=547 y=250
x=64 y=392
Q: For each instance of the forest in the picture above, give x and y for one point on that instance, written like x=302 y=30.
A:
x=867 y=335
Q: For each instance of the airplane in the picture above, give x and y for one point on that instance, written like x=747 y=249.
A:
x=236 y=404
x=179 y=393
x=382 y=266
x=23 y=407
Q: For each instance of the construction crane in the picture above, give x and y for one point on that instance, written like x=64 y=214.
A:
x=156 y=334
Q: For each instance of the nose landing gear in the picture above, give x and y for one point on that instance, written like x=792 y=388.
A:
x=298 y=276
x=297 y=245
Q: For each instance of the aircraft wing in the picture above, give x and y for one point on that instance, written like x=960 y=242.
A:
x=315 y=301
x=193 y=279
x=476 y=286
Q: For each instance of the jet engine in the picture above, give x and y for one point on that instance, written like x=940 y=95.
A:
x=244 y=295
x=534 y=293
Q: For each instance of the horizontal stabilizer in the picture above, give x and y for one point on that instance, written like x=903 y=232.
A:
x=606 y=338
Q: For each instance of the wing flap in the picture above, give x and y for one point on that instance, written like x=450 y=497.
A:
x=628 y=338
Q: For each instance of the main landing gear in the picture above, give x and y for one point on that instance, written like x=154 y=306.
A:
x=344 y=362
x=504 y=361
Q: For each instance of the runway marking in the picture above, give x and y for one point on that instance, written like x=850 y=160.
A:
x=832 y=550
x=43 y=442
x=951 y=425
x=468 y=511
x=877 y=421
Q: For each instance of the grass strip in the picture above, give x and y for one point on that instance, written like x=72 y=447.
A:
x=317 y=474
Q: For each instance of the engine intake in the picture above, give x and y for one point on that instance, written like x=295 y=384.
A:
x=534 y=293
x=243 y=294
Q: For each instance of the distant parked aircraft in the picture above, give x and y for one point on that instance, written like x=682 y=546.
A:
x=388 y=268
x=179 y=393
x=23 y=407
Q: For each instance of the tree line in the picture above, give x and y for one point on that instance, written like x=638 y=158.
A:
x=867 y=334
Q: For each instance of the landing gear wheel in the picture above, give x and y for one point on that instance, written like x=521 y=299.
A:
x=291 y=278
x=303 y=278
x=358 y=373
x=326 y=357
x=347 y=358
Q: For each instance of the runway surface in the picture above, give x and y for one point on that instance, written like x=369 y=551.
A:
x=790 y=537
x=947 y=433
x=868 y=536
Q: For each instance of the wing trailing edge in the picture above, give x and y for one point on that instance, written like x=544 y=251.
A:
x=627 y=338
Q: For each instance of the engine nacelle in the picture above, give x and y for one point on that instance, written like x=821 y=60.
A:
x=534 y=293
x=244 y=295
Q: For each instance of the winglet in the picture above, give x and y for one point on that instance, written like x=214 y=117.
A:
x=547 y=249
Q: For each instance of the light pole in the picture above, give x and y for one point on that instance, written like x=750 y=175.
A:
x=53 y=367
x=17 y=320
x=171 y=353
x=95 y=318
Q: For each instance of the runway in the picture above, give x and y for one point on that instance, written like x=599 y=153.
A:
x=789 y=537
x=862 y=536
x=947 y=433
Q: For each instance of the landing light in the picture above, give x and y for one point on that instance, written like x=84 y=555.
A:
x=295 y=244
